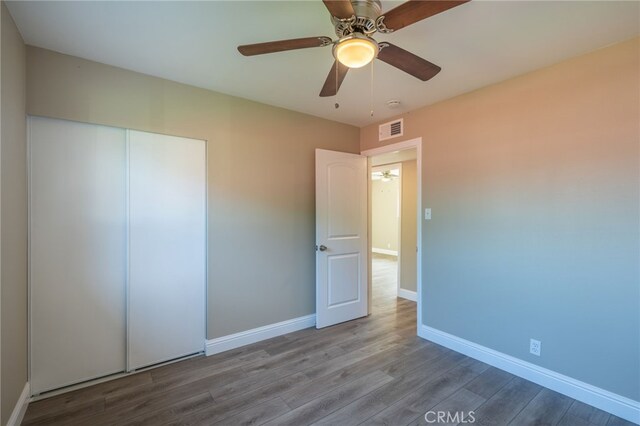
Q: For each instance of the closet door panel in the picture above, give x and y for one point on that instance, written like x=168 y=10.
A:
x=77 y=252
x=166 y=247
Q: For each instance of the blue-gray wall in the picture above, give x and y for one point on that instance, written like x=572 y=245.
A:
x=534 y=189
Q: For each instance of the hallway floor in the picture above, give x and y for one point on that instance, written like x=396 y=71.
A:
x=384 y=270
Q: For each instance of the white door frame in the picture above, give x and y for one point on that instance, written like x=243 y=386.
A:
x=386 y=149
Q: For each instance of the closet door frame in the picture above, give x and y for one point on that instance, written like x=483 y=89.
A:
x=127 y=369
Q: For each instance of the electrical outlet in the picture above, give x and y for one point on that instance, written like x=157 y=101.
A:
x=535 y=346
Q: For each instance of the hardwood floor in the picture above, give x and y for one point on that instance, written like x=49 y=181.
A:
x=371 y=371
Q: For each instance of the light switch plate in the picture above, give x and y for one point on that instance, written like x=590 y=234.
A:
x=427 y=214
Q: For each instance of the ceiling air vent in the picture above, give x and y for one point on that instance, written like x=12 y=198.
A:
x=390 y=130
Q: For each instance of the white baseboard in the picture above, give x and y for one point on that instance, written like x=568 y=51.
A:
x=408 y=294
x=21 y=407
x=232 y=341
x=385 y=251
x=618 y=405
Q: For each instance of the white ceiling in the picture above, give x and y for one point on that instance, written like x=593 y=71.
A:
x=476 y=44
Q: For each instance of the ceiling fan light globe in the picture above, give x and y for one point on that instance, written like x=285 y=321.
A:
x=355 y=52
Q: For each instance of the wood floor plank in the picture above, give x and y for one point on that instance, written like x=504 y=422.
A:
x=458 y=408
x=321 y=338
x=416 y=359
x=153 y=403
x=353 y=357
x=71 y=415
x=174 y=412
x=546 y=409
x=502 y=407
x=224 y=390
x=617 y=421
x=387 y=395
x=387 y=360
x=588 y=413
x=374 y=337
x=334 y=334
x=257 y=415
x=350 y=335
x=77 y=399
x=328 y=403
x=228 y=390
x=489 y=382
x=569 y=420
x=147 y=397
x=168 y=381
x=317 y=387
x=146 y=400
x=290 y=359
x=204 y=364
x=253 y=397
x=429 y=394
x=245 y=350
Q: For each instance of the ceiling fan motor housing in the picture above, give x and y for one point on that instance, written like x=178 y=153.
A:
x=366 y=14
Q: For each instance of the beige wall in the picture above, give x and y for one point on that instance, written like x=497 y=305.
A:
x=408 y=228
x=13 y=284
x=534 y=189
x=260 y=183
x=384 y=213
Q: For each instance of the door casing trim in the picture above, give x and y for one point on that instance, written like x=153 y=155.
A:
x=386 y=149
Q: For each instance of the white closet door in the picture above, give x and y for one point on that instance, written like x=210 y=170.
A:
x=166 y=248
x=77 y=252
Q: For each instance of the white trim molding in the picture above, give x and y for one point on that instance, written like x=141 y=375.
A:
x=408 y=294
x=398 y=146
x=384 y=251
x=232 y=341
x=618 y=405
x=21 y=407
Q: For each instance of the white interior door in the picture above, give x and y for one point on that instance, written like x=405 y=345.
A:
x=77 y=266
x=341 y=237
x=167 y=247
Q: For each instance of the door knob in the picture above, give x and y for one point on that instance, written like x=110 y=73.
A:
x=322 y=248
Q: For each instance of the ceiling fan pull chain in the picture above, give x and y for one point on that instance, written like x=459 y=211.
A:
x=336 y=86
x=371 y=93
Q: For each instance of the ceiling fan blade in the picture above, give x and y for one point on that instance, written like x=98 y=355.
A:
x=283 y=45
x=340 y=8
x=407 y=61
x=413 y=11
x=334 y=79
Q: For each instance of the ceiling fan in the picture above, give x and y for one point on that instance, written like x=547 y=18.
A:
x=385 y=176
x=355 y=21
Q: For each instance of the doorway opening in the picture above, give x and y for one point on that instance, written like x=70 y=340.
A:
x=343 y=238
x=395 y=229
x=386 y=199
x=393 y=236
